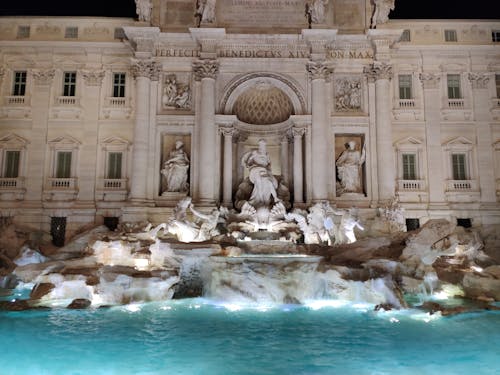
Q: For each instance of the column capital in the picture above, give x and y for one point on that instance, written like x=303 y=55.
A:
x=479 y=80
x=146 y=68
x=2 y=72
x=205 y=69
x=377 y=71
x=93 y=77
x=430 y=80
x=298 y=132
x=228 y=132
x=43 y=77
x=319 y=70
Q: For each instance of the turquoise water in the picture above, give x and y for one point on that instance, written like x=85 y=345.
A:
x=201 y=337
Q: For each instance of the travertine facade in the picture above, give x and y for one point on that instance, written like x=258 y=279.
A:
x=92 y=108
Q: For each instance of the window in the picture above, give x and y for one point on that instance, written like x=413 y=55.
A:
x=459 y=167
x=63 y=166
x=495 y=35
x=119 y=33
x=19 y=87
x=406 y=36
x=23 y=32
x=409 y=167
x=11 y=165
x=497 y=80
x=412 y=224
x=111 y=222
x=454 y=86
x=450 y=35
x=405 y=86
x=71 y=32
x=466 y=223
x=114 y=165
x=69 y=84
x=118 y=85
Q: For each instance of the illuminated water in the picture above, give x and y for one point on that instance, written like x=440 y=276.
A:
x=200 y=337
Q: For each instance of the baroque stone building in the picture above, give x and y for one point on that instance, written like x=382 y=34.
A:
x=107 y=119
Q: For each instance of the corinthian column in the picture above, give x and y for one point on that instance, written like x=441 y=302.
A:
x=298 y=172
x=205 y=71
x=319 y=73
x=381 y=73
x=227 y=174
x=144 y=71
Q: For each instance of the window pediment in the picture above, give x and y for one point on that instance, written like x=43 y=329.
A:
x=461 y=143
x=13 y=140
x=409 y=141
x=65 y=141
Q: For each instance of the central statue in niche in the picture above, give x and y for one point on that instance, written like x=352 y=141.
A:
x=264 y=183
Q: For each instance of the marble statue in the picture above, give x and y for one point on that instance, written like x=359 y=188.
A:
x=143 y=10
x=315 y=11
x=381 y=12
x=264 y=183
x=176 y=95
x=349 y=169
x=175 y=170
x=205 y=11
x=203 y=229
x=345 y=231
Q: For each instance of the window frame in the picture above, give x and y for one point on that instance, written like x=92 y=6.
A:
x=406 y=35
x=497 y=83
x=119 y=89
x=13 y=143
x=450 y=35
x=413 y=175
x=462 y=173
x=454 y=92
x=109 y=168
x=71 y=32
x=69 y=79
x=495 y=36
x=403 y=90
x=23 y=31
x=19 y=82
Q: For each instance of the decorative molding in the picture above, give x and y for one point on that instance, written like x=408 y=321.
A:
x=479 y=80
x=348 y=94
x=146 y=68
x=205 y=69
x=93 y=77
x=228 y=132
x=2 y=72
x=319 y=70
x=430 y=80
x=43 y=77
x=298 y=132
x=377 y=71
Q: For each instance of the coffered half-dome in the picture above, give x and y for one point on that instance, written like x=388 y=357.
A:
x=263 y=104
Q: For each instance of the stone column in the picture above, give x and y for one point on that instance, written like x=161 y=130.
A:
x=227 y=173
x=35 y=178
x=143 y=71
x=206 y=71
x=381 y=73
x=284 y=159
x=485 y=156
x=432 y=107
x=319 y=73
x=88 y=156
x=298 y=179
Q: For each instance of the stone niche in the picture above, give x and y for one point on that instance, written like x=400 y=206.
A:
x=263 y=16
x=353 y=174
x=171 y=159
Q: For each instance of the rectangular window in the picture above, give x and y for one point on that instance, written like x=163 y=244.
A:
x=114 y=165
x=23 y=32
x=406 y=36
x=454 y=86
x=405 y=86
x=19 y=87
x=118 y=85
x=63 y=168
x=11 y=167
x=495 y=35
x=409 y=167
x=71 y=32
x=69 y=84
x=459 y=167
x=450 y=35
x=497 y=81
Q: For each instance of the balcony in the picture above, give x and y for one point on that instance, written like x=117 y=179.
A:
x=67 y=101
x=456 y=103
x=60 y=189
x=110 y=189
x=12 y=188
x=465 y=191
x=411 y=185
x=62 y=183
x=16 y=101
x=462 y=185
x=406 y=103
x=112 y=102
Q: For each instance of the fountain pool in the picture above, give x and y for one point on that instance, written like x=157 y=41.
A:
x=200 y=336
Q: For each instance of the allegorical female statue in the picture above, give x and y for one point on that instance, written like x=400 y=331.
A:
x=264 y=183
x=349 y=169
x=175 y=170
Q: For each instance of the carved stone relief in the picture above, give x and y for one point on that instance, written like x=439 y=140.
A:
x=176 y=94
x=348 y=94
